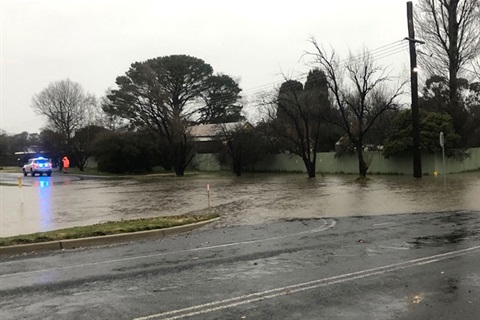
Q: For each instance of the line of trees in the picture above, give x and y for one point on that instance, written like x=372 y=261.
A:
x=344 y=105
x=149 y=115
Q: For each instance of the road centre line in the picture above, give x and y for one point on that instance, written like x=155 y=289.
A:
x=327 y=224
x=273 y=293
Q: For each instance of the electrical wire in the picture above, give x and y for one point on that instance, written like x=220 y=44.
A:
x=379 y=53
x=376 y=54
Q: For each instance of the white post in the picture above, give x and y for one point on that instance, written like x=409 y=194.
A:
x=442 y=143
x=208 y=194
x=20 y=187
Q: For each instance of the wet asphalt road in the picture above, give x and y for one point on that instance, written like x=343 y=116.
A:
x=403 y=266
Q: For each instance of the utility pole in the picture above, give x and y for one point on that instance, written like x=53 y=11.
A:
x=417 y=159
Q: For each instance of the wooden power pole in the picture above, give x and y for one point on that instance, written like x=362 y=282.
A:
x=417 y=159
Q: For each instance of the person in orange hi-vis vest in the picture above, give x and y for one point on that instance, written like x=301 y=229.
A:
x=66 y=164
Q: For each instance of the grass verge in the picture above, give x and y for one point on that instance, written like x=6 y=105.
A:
x=10 y=169
x=107 y=228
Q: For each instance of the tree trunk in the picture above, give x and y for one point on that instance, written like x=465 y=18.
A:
x=179 y=171
x=310 y=166
x=362 y=165
x=179 y=165
x=80 y=161
x=80 y=166
x=237 y=168
x=453 y=58
x=181 y=156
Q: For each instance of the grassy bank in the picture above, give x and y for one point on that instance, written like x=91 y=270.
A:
x=107 y=228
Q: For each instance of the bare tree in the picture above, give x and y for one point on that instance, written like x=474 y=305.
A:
x=476 y=68
x=296 y=117
x=67 y=108
x=242 y=143
x=360 y=97
x=450 y=29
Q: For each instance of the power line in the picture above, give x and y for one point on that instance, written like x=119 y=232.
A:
x=394 y=51
x=376 y=54
x=379 y=51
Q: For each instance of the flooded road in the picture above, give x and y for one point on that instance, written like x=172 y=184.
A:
x=60 y=201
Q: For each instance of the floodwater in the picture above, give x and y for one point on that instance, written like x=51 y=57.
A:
x=61 y=201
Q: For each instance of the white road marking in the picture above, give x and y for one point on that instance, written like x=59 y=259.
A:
x=326 y=225
x=273 y=293
x=384 y=224
x=394 y=248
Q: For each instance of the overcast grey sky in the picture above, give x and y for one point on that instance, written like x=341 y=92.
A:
x=94 y=41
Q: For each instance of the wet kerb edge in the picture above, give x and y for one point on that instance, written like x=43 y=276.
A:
x=101 y=240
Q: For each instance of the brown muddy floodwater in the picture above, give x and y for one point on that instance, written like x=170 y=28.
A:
x=64 y=201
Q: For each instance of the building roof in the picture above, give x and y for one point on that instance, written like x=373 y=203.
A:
x=210 y=131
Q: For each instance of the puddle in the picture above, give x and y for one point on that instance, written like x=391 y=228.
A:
x=455 y=237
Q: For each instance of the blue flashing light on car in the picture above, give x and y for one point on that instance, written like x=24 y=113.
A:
x=38 y=165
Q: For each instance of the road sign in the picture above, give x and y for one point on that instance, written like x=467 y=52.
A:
x=442 y=140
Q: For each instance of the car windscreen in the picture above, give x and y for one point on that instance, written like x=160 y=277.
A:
x=42 y=161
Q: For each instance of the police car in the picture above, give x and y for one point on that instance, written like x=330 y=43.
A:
x=37 y=165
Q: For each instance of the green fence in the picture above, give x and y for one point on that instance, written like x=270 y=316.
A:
x=327 y=163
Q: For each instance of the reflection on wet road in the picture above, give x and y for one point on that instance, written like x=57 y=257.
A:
x=63 y=201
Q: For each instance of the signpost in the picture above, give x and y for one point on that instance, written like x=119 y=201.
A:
x=20 y=187
x=208 y=194
x=442 y=144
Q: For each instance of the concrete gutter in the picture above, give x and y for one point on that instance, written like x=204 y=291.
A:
x=101 y=240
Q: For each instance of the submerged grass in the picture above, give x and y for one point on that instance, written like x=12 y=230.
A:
x=107 y=228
